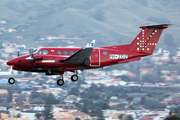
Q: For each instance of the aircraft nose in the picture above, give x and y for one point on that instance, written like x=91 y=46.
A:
x=11 y=62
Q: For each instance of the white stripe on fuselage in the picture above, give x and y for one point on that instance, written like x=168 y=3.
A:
x=48 y=61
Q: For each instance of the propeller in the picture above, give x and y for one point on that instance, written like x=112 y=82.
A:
x=31 y=52
x=31 y=58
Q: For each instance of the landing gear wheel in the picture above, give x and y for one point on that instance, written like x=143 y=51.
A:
x=74 y=78
x=11 y=80
x=60 y=82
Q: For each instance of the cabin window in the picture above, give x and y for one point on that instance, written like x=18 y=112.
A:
x=71 y=52
x=45 y=52
x=105 y=53
x=65 y=52
x=59 y=52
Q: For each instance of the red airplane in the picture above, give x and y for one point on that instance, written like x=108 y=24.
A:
x=56 y=61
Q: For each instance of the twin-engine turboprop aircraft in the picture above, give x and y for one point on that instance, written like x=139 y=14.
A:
x=56 y=61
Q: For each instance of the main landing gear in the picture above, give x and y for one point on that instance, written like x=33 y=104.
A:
x=11 y=80
x=60 y=82
x=74 y=78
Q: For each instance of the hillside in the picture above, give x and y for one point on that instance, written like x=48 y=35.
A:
x=109 y=22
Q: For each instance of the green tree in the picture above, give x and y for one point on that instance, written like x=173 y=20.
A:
x=124 y=95
x=129 y=117
x=100 y=114
x=18 y=115
x=131 y=107
x=125 y=78
x=38 y=115
x=48 y=112
x=77 y=119
x=172 y=117
x=121 y=116
x=105 y=106
x=177 y=110
x=51 y=99
x=93 y=88
x=48 y=108
x=154 y=105
x=152 y=78
x=74 y=91
x=85 y=109
x=143 y=100
x=170 y=113
x=129 y=98
x=37 y=95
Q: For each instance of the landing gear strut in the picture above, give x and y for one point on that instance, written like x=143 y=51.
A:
x=74 y=77
x=11 y=80
x=60 y=82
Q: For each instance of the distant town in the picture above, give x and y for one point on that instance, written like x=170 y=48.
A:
x=145 y=90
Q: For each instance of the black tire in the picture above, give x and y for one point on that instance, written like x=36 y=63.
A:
x=11 y=80
x=60 y=82
x=74 y=78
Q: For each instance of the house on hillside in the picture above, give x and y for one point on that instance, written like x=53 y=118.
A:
x=149 y=117
x=146 y=70
x=81 y=115
x=3 y=113
x=175 y=101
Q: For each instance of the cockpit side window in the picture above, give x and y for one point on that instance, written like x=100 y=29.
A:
x=40 y=52
x=37 y=51
x=45 y=52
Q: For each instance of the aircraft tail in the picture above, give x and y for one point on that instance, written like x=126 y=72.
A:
x=147 y=39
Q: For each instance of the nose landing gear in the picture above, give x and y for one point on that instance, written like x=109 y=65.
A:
x=11 y=80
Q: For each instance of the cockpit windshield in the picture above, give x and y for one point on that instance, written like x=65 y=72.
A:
x=37 y=51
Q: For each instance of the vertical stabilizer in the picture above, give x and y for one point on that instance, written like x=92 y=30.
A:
x=147 y=39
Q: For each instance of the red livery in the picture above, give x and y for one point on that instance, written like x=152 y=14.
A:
x=56 y=61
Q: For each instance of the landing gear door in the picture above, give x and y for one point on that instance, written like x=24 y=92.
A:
x=95 y=58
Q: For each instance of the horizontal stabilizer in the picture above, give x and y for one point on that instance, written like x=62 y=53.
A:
x=156 y=26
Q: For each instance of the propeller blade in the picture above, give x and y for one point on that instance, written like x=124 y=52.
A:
x=31 y=56
x=30 y=51
x=18 y=53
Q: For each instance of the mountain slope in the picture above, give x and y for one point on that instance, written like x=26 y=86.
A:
x=109 y=22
